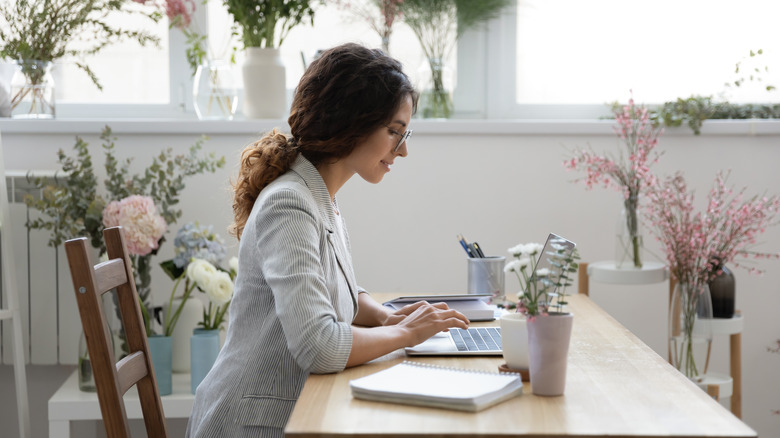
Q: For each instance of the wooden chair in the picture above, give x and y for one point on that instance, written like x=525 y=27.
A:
x=114 y=378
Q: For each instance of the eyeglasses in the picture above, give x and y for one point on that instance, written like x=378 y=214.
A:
x=402 y=138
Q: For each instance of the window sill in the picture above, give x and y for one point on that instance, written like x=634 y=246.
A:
x=754 y=127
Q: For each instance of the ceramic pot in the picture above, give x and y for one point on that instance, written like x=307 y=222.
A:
x=265 y=84
x=548 y=350
x=722 y=292
x=204 y=348
x=161 y=350
x=514 y=340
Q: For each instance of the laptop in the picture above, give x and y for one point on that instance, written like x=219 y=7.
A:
x=481 y=341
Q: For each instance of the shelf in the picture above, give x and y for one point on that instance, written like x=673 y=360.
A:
x=607 y=272
x=724 y=382
x=728 y=326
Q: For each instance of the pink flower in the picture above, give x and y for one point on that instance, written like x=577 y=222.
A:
x=180 y=12
x=137 y=215
x=629 y=171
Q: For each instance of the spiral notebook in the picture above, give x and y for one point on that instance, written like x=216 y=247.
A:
x=435 y=386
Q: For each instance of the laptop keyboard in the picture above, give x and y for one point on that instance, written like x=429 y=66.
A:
x=477 y=339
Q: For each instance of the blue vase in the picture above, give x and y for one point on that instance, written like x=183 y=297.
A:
x=161 y=350
x=204 y=348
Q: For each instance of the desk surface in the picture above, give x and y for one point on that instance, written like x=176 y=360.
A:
x=616 y=386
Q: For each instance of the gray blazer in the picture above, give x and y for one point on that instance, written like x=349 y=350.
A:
x=295 y=298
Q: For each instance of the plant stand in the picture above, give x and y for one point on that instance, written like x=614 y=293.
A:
x=607 y=272
x=719 y=385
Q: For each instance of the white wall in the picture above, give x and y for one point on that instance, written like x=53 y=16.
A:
x=499 y=183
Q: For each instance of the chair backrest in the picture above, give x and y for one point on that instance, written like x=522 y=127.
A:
x=113 y=378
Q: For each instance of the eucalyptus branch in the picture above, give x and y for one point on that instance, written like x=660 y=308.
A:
x=47 y=30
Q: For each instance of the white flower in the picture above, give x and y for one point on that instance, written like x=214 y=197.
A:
x=527 y=249
x=517 y=265
x=233 y=263
x=533 y=248
x=542 y=272
x=516 y=250
x=201 y=272
x=220 y=289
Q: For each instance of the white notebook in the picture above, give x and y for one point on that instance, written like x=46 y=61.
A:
x=430 y=385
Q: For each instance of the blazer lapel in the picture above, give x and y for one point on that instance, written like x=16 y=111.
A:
x=319 y=190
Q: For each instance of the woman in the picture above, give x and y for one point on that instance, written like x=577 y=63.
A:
x=297 y=308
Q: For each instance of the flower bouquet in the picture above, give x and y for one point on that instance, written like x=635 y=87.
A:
x=542 y=288
x=75 y=205
x=36 y=33
x=438 y=24
x=380 y=16
x=548 y=332
x=143 y=230
x=695 y=243
x=193 y=244
x=629 y=172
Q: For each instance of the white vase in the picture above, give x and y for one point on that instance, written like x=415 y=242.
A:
x=549 y=337
x=514 y=340
x=265 y=84
x=190 y=316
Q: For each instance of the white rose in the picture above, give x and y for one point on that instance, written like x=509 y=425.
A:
x=220 y=289
x=233 y=264
x=201 y=272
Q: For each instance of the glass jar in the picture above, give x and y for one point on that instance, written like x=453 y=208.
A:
x=436 y=84
x=32 y=90
x=214 y=92
x=86 y=378
x=690 y=329
x=629 y=244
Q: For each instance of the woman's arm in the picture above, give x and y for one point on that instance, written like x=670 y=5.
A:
x=419 y=321
x=370 y=312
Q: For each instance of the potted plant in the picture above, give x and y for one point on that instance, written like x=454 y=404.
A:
x=35 y=33
x=542 y=302
x=264 y=24
x=438 y=24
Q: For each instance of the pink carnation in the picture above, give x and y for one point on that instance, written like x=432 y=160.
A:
x=137 y=215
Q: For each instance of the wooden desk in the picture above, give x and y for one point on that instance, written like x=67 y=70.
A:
x=616 y=386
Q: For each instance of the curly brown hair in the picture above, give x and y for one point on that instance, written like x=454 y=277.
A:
x=344 y=96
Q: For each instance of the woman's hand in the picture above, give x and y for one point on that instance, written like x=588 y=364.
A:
x=406 y=327
x=422 y=320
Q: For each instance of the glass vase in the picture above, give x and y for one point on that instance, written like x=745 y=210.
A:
x=86 y=378
x=628 y=239
x=690 y=329
x=214 y=92
x=436 y=85
x=32 y=90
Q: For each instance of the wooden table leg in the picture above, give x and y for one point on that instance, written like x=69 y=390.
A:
x=735 y=349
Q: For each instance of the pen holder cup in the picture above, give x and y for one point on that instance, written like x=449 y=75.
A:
x=486 y=276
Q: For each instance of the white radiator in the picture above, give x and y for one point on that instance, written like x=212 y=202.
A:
x=50 y=316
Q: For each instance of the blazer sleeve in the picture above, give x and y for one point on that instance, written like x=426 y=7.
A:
x=289 y=232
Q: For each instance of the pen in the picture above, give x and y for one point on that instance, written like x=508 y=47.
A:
x=479 y=250
x=465 y=246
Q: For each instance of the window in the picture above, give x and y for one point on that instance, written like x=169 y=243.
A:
x=567 y=58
